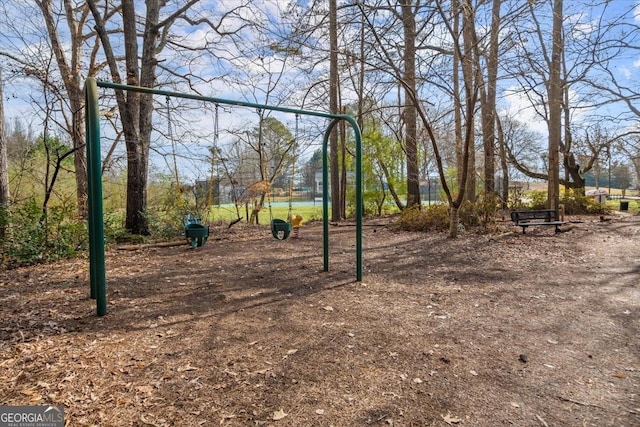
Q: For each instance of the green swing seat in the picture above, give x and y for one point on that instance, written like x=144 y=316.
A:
x=280 y=229
x=195 y=232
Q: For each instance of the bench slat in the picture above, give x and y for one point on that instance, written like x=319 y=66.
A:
x=528 y=218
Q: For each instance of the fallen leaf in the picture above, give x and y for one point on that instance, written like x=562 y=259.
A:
x=417 y=381
x=450 y=420
x=144 y=389
x=187 y=368
x=279 y=414
x=328 y=308
x=320 y=411
x=292 y=351
x=515 y=404
x=474 y=373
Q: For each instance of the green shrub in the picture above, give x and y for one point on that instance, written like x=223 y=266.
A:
x=576 y=203
x=32 y=238
x=481 y=213
x=516 y=200
x=431 y=218
x=538 y=199
x=166 y=224
x=573 y=199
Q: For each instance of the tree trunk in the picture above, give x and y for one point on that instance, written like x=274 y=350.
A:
x=392 y=188
x=70 y=67
x=343 y=169
x=489 y=102
x=457 y=112
x=135 y=220
x=410 y=114
x=138 y=110
x=336 y=213
x=504 y=164
x=454 y=221
x=467 y=162
x=555 y=108
x=4 y=167
x=469 y=73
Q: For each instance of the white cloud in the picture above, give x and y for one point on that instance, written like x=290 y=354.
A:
x=625 y=71
x=520 y=108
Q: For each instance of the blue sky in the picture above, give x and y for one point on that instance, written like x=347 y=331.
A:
x=246 y=59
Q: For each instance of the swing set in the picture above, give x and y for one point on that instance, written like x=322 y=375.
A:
x=195 y=232
x=281 y=229
x=97 y=270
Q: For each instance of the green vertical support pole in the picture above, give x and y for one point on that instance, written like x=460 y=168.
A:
x=88 y=124
x=325 y=194
x=97 y=275
x=359 y=203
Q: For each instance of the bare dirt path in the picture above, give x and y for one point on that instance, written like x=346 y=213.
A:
x=515 y=330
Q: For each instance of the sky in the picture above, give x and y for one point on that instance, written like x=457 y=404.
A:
x=626 y=68
x=260 y=66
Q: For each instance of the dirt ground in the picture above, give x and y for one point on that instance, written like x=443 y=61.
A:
x=503 y=329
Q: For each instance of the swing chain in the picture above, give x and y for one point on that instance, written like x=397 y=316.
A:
x=169 y=128
x=216 y=129
x=293 y=167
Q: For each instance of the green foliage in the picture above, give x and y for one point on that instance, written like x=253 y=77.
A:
x=375 y=203
x=382 y=165
x=573 y=199
x=32 y=238
x=538 y=199
x=516 y=200
x=435 y=217
x=576 y=203
x=431 y=218
x=166 y=224
x=481 y=213
x=54 y=145
x=114 y=231
x=451 y=176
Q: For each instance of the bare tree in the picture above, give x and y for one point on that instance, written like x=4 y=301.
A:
x=408 y=19
x=4 y=166
x=488 y=99
x=136 y=109
x=65 y=82
x=555 y=107
x=334 y=108
x=574 y=70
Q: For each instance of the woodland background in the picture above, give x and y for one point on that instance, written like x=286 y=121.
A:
x=473 y=98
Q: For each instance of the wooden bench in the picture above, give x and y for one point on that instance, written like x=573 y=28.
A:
x=525 y=219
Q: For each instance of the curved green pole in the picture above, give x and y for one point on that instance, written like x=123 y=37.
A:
x=94 y=175
x=325 y=192
x=97 y=273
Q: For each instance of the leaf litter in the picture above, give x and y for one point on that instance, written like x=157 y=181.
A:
x=196 y=354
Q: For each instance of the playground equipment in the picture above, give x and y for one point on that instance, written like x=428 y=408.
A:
x=296 y=222
x=195 y=232
x=281 y=229
x=97 y=269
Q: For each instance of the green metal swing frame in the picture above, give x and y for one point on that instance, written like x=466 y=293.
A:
x=97 y=270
